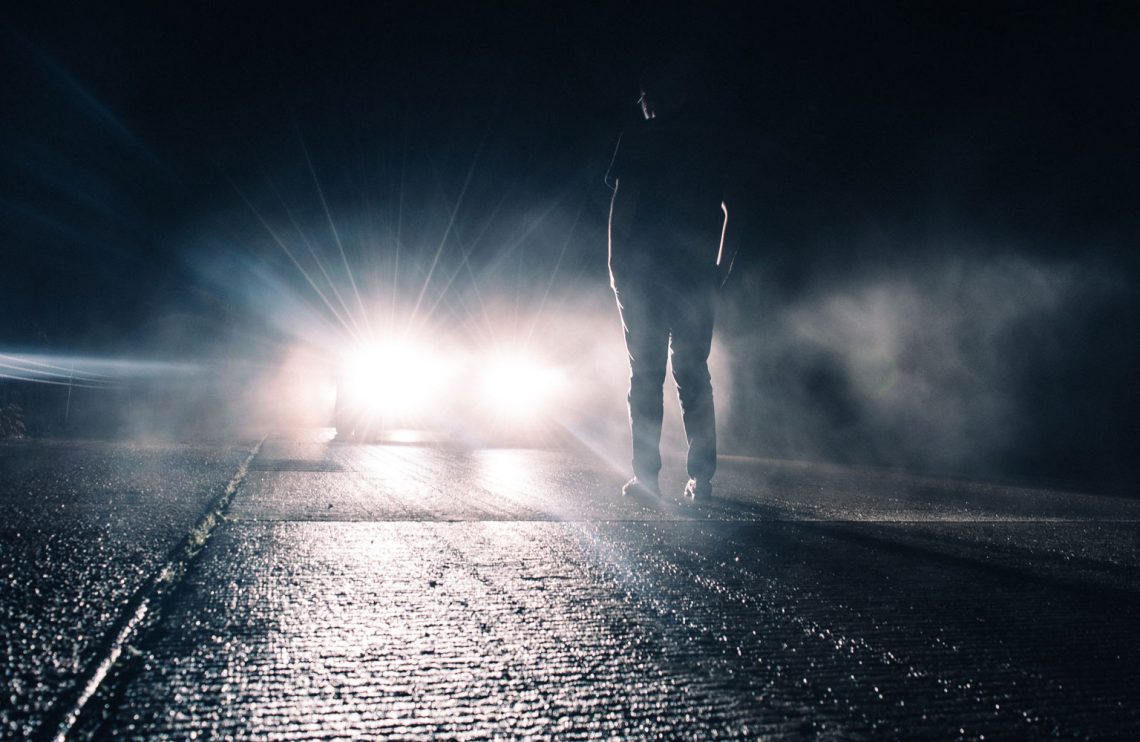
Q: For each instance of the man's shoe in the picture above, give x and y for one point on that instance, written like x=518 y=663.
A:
x=698 y=490
x=640 y=488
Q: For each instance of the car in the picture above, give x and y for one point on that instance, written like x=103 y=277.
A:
x=404 y=389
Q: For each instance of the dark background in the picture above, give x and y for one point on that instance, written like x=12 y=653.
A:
x=941 y=198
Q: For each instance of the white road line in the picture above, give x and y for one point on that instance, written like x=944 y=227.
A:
x=161 y=579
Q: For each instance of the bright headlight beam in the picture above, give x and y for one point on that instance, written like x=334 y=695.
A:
x=517 y=386
x=393 y=378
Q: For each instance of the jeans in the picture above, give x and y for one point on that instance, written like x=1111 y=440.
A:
x=674 y=316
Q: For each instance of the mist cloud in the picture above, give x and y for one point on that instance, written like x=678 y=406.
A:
x=924 y=365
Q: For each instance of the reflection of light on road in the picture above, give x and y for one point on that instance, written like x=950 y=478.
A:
x=408 y=436
x=509 y=473
x=340 y=605
x=401 y=469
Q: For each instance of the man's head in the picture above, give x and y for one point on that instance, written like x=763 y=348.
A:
x=669 y=88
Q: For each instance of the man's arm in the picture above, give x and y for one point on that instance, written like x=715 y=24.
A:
x=730 y=238
x=611 y=177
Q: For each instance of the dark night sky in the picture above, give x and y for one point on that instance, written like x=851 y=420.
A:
x=879 y=142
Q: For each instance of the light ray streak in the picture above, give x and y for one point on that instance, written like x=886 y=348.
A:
x=399 y=229
x=447 y=231
x=57 y=225
x=465 y=262
x=33 y=373
x=37 y=380
x=83 y=370
x=94 y=107
x=301 y=268
x=514 y=244
x=471 y=326
x=80 y=184
x=446 y=297
x=518 y=291
x=471 y=272
x=553 y=273
x=316 y=256
x=481 y=328
x=332 y=225
x=469 y=319
x=21 y=363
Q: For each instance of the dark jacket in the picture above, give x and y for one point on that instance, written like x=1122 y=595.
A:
x=665 y=216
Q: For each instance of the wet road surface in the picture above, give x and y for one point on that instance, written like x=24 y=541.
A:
x=85 y=525
x=354 y=590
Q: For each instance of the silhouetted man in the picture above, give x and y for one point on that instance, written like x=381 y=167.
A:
x=666 y=238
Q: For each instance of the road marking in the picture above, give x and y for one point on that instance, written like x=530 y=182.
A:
x=140 y=603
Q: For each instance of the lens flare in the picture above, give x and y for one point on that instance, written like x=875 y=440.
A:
x=519 y=387
x=393 y=379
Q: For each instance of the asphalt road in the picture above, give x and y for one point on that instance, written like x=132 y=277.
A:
x=315 y=589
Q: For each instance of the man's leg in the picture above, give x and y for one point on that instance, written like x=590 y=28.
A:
x=690 y=343
x=646 y=341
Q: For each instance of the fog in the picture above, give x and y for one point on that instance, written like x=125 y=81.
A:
x=957 y=359
x=193 y=243
x=963 y=357
x=930 y=365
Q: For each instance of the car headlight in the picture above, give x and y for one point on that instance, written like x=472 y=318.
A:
x=395 y=378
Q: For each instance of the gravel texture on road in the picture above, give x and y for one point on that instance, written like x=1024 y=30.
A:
x=86 y=524
x=360 y=591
